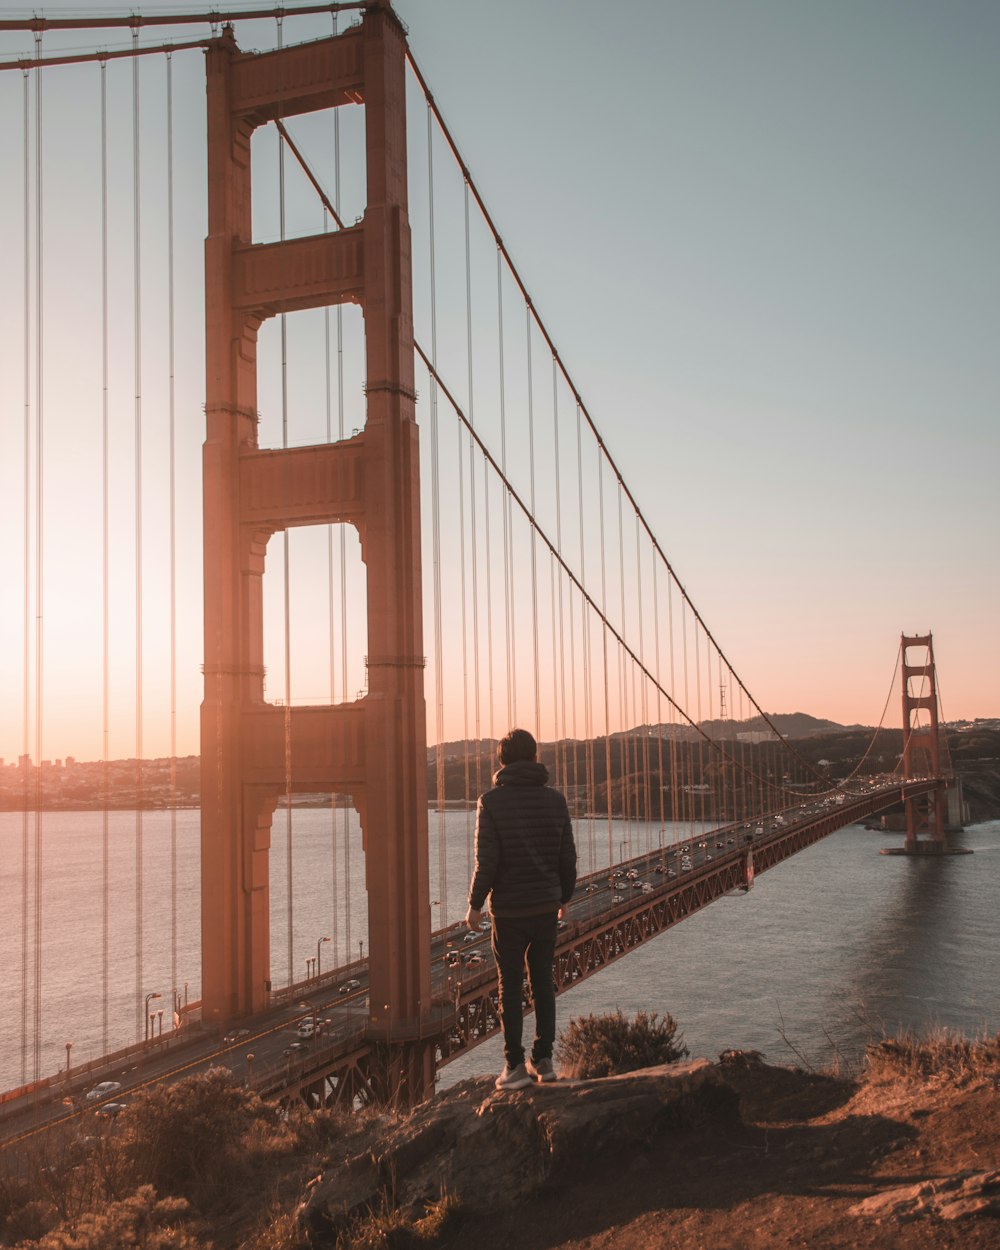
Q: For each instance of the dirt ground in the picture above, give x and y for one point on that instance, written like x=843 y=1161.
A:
x=810 y=1147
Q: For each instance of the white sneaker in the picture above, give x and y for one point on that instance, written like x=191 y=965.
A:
x=541 y=1069
x=513 y=1078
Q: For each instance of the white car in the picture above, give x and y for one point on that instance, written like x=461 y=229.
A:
x=102 y=1091
x=349 y=986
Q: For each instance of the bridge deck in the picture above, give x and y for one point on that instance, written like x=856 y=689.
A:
x=613 y=912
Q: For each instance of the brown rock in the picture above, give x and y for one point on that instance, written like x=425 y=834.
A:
x=486 y=1148
x=949 y=1198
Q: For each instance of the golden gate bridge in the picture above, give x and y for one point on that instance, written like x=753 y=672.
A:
x=381 y=398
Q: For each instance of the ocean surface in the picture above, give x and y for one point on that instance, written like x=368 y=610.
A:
x=834 y=946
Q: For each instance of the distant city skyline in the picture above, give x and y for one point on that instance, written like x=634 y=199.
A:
x=763 y=236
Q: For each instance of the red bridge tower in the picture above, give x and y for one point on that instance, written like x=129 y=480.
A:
x=375 y=748
x=922 y=750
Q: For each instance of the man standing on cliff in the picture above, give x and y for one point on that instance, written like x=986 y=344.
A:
x=526 y=863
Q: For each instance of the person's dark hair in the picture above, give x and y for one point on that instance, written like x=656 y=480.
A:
x=518 y=745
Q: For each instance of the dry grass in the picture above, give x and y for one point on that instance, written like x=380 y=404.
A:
x=393 y=1228
x=944 y=1054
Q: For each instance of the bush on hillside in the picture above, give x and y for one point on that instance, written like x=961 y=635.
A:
x=190 y=1139
x=592 y=1046
x=140 y=1222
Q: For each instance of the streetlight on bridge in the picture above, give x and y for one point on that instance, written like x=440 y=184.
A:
x=145 y=1010
x=319 y=947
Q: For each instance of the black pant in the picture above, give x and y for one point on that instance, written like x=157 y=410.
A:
x=514 y=939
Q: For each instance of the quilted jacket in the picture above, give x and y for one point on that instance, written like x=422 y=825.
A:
x=525 y=854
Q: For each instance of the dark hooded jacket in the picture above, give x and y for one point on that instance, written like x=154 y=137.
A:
x=525 y=854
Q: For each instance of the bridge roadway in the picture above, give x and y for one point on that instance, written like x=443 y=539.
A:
x=612 y=912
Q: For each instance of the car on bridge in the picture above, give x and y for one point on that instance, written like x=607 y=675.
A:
x=104 y=1090
x=350 y=986
x=236 y=1035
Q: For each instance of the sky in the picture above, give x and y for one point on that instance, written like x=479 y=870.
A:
x=762 y=236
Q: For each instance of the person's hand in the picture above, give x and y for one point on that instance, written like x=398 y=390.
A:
x=473 y=917
x=562 y=913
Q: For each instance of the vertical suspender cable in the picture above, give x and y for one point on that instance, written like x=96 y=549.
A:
x=561 y=746
x=328 y=375
x=508 y=605
x=534 y=554
x=436 y=540
x=26 y=557
x=467 y=793
x=604 y=643
x=472 y=500
x=675 y=814
x=105 y=572
x=173 y=534
x=489 y=594
x=572 y=683
x=289 y=906
x=659 y=696
x=623 y=741
x=585 y=648
x=701 y=757
x=39 y=553
x=647 y=815
x=555 y=670
x=137 y=317
x=346 y=815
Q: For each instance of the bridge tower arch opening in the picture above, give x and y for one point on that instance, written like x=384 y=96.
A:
x=373 y=748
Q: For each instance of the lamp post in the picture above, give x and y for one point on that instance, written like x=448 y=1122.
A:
x=69 y=1047
x=621 y=850
x=361 y=950
x=145 y=1010
x=319 y=947
x=435 y=902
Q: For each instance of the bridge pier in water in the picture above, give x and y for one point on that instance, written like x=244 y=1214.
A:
x=374 y=748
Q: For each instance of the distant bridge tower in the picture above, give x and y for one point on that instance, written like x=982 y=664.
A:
x=922 y=750
x=374 y=748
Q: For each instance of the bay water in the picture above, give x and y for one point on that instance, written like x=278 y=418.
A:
x=834 y=946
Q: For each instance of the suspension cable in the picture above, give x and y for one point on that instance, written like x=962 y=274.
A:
x=328 y=375
x=534 y=549
x=287 y=588
x=436 y=543
x=39 y=554
x=515 y=274
x=505 y=499
x=105 y=577
x=26 y=615
x=472 y=502
x=137 y=329
x=173 y=531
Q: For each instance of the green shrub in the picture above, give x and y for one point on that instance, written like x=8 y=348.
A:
x=592 y=1046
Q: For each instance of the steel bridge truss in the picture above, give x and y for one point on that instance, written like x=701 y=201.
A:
x=358 y=1070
